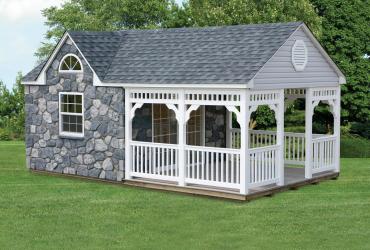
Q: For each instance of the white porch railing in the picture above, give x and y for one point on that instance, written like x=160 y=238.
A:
x=219 y=167
x=154 y=160
x=294 y=147
x=261 y=138
x=263 y=165
x=323 y=153
x=235 y=138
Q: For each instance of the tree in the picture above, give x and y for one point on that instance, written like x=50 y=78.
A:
x=346 y=38
x=12 y=110
x=219 y=12
x=97 y=15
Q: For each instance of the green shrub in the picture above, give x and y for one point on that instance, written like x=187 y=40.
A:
x=345 y=130
x=264 y=117
x=362 y=129
x=4 y=135
x=295 y=129
x=295 y=118
x=319 y=128
x=352 y=146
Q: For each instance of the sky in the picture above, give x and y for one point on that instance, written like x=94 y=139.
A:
x=22 y=30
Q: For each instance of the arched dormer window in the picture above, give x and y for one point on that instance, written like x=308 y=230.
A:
x=70 y=64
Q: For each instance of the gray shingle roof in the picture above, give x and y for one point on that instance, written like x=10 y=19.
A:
x=226 y=54
x=34 y=73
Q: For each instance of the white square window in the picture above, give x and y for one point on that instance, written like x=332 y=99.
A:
x=71 y=117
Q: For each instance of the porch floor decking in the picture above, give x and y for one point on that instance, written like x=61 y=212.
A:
x=294 y=178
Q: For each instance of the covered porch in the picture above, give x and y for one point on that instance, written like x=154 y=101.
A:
x=185 y=153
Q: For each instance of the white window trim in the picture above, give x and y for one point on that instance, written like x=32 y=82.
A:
x=70 y=71
x=71 y=134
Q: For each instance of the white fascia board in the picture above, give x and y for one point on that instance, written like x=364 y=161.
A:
x=291 y=86
x=342 y=78
x=183 y=85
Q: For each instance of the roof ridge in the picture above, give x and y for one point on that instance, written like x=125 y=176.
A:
x=203 y=28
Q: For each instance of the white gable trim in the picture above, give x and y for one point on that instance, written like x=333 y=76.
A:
x=41 y=79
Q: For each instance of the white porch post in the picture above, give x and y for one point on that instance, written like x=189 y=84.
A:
x=336 y=114
x=308 y=134
x=280 y=136
x=128 y=134
x=244 y=137
x=182 y=137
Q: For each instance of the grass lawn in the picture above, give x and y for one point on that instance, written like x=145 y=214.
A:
x=45 y=212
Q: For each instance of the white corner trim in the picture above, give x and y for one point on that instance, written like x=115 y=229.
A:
x=96 y=80
x=70 y=71
x=299 y=55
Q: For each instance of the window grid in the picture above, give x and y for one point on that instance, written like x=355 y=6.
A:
x=165 y=126
x=70 y=63
x=193 y=133
x=71 y=113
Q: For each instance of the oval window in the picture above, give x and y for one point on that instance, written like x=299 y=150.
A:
x=299 y=55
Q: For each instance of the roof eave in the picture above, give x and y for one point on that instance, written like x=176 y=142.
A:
x=247 y=85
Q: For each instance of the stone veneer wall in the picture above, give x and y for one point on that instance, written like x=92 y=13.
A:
x=142 y=124
x=215 y=126
x=100 y=153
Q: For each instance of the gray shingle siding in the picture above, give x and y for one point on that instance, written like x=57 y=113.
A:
x=213 y=55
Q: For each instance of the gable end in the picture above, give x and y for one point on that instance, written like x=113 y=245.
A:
x=38 y=75
x=301 y=62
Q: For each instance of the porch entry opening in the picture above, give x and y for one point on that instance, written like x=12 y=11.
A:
x=263 y=145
